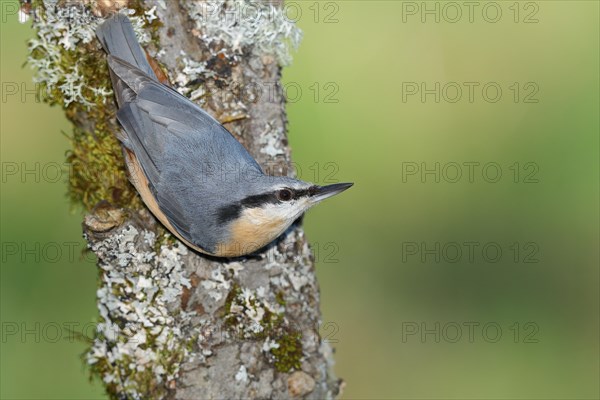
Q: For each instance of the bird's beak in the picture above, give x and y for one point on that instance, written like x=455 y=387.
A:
x=323 y=192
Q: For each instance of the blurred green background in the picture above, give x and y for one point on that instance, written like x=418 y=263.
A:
x=386 y=283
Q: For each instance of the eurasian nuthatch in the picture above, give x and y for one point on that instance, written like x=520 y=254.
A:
x=167 y=143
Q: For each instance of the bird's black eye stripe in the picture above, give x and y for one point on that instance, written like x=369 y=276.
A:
x=259 y=200
x=305 y=192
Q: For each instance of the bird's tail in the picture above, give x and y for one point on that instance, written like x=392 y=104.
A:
x=118 y=39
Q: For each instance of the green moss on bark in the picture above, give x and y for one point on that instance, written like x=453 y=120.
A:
x=287 y=354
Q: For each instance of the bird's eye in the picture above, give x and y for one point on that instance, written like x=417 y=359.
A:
x=285 y=195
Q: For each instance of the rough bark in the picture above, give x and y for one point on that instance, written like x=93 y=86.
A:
x=177 y=324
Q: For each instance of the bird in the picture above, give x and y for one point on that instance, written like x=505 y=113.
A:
x=196 y=178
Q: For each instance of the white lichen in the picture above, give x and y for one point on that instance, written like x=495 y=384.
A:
x=260 y=27
x=59 y=29
x=242 y=375
x=72 y=86
x=298 y=280
x=235 y=267
x=269 y=345
x=138 y=23
x=218 y=285
x=62 y=27
x=270 y=143
x=151 y=14
x=137 y=331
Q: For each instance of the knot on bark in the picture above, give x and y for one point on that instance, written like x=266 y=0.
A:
x=103 y=218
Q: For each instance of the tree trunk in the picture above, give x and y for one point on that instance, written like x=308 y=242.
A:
x=174 y=323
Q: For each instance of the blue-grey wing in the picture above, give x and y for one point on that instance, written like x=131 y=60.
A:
x=187 y=156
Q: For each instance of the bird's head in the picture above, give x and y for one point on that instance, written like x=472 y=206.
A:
x=259 y=217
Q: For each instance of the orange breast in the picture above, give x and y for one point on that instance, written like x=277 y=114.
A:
x=251 y=231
